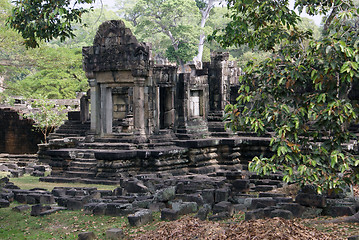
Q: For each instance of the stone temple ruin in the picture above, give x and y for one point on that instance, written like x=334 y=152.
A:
x=158 y=135
x=147 y=117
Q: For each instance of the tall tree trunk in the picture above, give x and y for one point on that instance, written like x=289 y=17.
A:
x=205 y=14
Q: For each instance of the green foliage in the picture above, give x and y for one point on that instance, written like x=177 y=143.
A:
x=39 y=20
x=175 y=19
x=58 y=75
x=86 y=34
x=46 y=115
x=300 y=93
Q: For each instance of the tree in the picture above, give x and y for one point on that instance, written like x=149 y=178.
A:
x=176 y=19
x=205 y=6
x=46 y=115
x=39 y=20
x=299 y=94
x=50 y=80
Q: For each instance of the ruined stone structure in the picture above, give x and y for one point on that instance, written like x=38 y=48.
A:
x=148 y=117
x=17 y=134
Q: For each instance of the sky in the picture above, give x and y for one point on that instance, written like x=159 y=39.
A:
x=317 y=19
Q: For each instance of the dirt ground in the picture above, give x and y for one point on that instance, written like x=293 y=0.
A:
x=270 y=229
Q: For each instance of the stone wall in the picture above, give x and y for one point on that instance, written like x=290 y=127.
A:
x=17 y=136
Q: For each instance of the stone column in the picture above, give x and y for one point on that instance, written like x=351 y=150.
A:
x=95 y=106
x=106 y=109
x=139 y=106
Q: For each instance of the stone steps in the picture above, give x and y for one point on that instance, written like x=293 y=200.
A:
x=80 y=174
x=110 y=145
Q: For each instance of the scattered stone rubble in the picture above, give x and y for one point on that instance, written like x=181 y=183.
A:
x=18 y=165
x=213 y=198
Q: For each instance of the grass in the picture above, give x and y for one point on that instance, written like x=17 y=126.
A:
x=68 y=224
x=62 y=225
x=29 y=182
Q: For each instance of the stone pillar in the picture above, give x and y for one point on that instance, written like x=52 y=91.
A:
x=84 y=109
x=106 y=109
x=95 y=106
x=139 y=106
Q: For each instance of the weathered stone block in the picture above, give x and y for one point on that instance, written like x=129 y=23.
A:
x=262 y=203
x=240 y=185
x=134 y=187
x=224 y=207
x=282 y=214
x=38 y=174
x=21 y=208
x=219 y=216
x=255 y=214
x=208 y=196
x=58 y=192
x=166 y=194
x=295 y=208
x=75 y=204
x=338 y=211
x=36 y=210
x=184 y=208
x=46 y=199
x=169 y=214
x=140 y=218
x=114 y=234
x=119 y=209
x=311 y=200
x=203 y=212
x=4 y=203
x=221 y=195
x=86 y=236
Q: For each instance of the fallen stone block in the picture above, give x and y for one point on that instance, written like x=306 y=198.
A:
x=208 y=196
x=223 y=207
x=52 y=210
x=29 y=170
x=40 y=168
x=16 y=173
x=114 y=234
x=296 y=209
x=74 y=204
x=282 y=214
x=221 y=195
x=46 y=199
x=59 y=192
x=169 y=214
x=104 y=193
x=264 y=188
x=240 y=185
x=339 y=211
x=140 y=218
x=262 y=203
x=4 y=203
x=219 y=216
x=38 y=174
x=7 y=196
x=86 y=236
x=166 y=194
x=254 y=214
x=184 y=208
x=194 y=197
x=134 y=187
x=36 y=210
x=119 y=209
x=203 y=212
x=311 y=200
x=21 y=208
